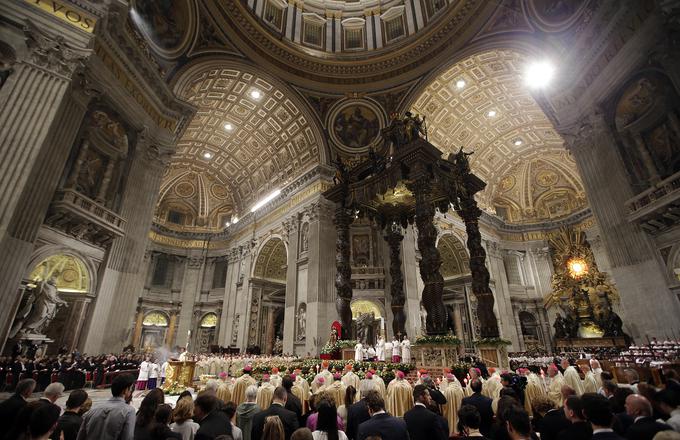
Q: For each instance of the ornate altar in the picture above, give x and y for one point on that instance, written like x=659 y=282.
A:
x=584 y=295
x=400 y=189
x=179 y=374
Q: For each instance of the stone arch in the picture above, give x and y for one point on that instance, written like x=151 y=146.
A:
x=44 y=253
x=517 y=128
x=530 y=328
x=208 y=320
x=156 y=318
x=221 y=88
x=454 y=255
x=271 y=252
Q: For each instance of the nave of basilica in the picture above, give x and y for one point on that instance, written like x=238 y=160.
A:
x=280 y=176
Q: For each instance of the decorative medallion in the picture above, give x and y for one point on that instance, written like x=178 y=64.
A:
x=546 y=178
x=185 y=189
x=354 y=125
x=507 y=183
x=167 y=24
x=219 y=192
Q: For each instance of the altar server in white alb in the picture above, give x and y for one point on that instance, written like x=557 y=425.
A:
x=143 y=377
x=380 y=349
x=388 y=350
x=358 y=352
x=405 y=350
x=396 y=350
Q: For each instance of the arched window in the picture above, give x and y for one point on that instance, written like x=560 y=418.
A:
x=155 y=319
x=69 y=272
x=209 y=321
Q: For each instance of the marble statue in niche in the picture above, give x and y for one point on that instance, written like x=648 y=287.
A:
x=39 y=310
x=302 y=322
x=304 y=237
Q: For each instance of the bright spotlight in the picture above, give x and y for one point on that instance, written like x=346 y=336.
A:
x=539 y=74
x=518 y=142
x=207 y=155
x=228 y=126
x=255 y=94
x=266 y=200
x=491 y=113
x=460 y=83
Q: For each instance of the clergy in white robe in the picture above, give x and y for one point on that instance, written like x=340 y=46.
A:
x=453 y=391
x=572 y=378
x=388 y=351
x=358 y=352
x=380 y=349
x=555 y=386
x=589 y=381
x=275 y=378
x=396 y=351
x=351 y=379
x=371 y=353
x=399 y=396
x=265 y=393
x=406 y=350
x=238 y=395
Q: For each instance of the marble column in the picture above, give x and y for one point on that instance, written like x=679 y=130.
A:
x=321 y=296
x=458 y=326
x=269 y=341
x=41 y=111
x=502 y=304
x=191 y=288
x=124 y=273
x=170 y=334
x=648 y=306
x=291 y=231
x=229 y=302
x=243 y=296
x=137 y=334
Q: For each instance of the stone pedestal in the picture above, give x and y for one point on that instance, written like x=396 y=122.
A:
x=495 y=356
x=41 y=341
x=430 y=356
x=562 y=344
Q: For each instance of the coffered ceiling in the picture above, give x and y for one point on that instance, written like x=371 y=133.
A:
x=494 y=115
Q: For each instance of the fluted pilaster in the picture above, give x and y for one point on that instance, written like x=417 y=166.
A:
x=124 y=273
x=40 y=113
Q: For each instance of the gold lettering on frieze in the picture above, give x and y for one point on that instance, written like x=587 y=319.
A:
x=66 y=12
x=132 y=88
x=186 y=244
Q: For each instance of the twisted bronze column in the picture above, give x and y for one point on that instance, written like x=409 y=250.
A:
x=343 y=277
x=470 y=213
x=397 y=300
x=430 y=259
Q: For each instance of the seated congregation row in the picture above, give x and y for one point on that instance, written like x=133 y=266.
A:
x=591 y=415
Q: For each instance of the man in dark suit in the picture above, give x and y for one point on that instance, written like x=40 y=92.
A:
x=579 y=428
x=292 y=401
x=10 y=408
x=483 y=405
x=644 y=426
x=212 y=421
x=381 y=424
x=422 y=423
x=597 y=410
x=277 y=408
x=357 y=413
x=552 y=423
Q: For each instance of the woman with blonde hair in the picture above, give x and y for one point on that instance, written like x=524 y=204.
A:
x=273 y=429
x=182 y=414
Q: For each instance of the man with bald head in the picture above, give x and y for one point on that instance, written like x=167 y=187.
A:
x=644 y=426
